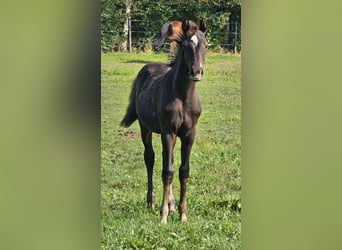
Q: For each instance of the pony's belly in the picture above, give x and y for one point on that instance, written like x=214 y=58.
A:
x=149 y=118
x=146 y=106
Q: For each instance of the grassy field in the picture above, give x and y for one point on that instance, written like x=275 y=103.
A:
x=214 y=187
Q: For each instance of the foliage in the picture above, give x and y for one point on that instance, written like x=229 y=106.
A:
x=149 y=16
x=214 y=203
x=112 y=19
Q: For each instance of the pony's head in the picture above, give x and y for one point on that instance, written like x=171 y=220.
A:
x=194 y=45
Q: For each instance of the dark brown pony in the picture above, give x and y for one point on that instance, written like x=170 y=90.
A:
x=164 y=101
x=171 y=31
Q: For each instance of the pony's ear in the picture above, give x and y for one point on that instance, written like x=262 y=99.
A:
x=204 y=25
x=185 y=25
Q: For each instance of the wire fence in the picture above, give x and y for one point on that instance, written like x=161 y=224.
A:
x=140 y=40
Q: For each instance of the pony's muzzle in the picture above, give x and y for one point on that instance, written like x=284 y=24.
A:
x=197 y=75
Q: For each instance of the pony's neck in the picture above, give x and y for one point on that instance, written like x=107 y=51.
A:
x=181 y=82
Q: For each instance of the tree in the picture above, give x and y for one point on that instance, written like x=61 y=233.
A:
x=128 y=5
x=112 y=20
x=148 y=17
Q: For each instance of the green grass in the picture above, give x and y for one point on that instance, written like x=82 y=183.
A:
x=214 y=204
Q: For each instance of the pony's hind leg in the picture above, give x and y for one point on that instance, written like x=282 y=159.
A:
x=146 y=136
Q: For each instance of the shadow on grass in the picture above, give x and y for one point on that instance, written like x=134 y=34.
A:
x=139 y=61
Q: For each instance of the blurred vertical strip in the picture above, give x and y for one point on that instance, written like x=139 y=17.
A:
x=291 y=125
x=50 y=125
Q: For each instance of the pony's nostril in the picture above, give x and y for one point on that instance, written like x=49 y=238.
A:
x=196 y=72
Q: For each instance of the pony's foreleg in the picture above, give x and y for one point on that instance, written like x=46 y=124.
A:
x=184 y=173
x=146 y=136
x=171 y=201
x=168 y=140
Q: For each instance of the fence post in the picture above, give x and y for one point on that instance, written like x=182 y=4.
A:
x=130 y=35
x=235 y=38
x=228 y=34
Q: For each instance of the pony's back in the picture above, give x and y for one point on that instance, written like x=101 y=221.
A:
x=147 y=74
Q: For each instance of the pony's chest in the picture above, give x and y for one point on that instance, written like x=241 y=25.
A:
x=181 y=114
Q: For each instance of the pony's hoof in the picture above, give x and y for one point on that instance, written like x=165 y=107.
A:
x=183 y=218
x=172 y=207
x=150 y=201
x=163 y=219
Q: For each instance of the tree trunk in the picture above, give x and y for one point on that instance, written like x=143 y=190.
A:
x=128 y=4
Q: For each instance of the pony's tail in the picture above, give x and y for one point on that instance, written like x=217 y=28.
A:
x=131 y=113
x=162 y=35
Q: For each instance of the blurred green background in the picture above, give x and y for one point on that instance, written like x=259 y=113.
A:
x=50 y=125
x=291 y=125
x=50 y=129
